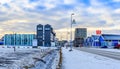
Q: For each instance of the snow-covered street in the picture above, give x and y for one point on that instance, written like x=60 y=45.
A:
x=77 y=59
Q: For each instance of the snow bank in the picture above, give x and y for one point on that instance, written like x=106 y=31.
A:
x=27 y=58
x=81 y=60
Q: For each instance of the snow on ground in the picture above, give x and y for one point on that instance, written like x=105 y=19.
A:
x=82 y=60
x=24 y=57
x=107 y=49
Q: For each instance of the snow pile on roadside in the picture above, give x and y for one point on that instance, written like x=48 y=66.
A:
x=81 y=60
x=26 y=58
x=50 y=61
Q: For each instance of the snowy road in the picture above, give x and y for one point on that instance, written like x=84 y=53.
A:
x=110 y=54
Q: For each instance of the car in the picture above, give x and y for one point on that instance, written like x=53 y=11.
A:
x=117 y=46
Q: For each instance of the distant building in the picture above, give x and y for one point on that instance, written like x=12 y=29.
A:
x=95 y=40
x=80 y=35
x=62 y=43
x=45 y=35
x=1 y=41
x=19 y=39
x=109 y=40
x=88 y=41
x=103 y=40
x=40 y=35
x=49 y=35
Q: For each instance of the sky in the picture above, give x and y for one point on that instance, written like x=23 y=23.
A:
x=22 y=16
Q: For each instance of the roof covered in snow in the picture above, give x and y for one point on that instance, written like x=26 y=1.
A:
x=111 y=36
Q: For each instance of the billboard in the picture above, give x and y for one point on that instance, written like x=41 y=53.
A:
x=98 y=32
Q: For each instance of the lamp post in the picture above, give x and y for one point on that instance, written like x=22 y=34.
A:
x=72 y=22
x=14 y=42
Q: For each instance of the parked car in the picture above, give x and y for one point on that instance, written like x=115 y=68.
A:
x=117 y=46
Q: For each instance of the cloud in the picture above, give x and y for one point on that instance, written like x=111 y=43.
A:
x=117 y=11
x=5 y=1
x=116 y=0
x=24 y=15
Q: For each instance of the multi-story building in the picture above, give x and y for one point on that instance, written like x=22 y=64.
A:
x=19 y=39
x=40 y=35
x=80 y=35
x=45 y=35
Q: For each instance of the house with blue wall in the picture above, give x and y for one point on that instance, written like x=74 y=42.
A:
x=95 y=40
x=109 y=40
x=88 y=41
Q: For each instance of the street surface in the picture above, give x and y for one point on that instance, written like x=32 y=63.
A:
x=113 y=55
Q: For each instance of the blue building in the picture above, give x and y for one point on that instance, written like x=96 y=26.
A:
x=1 y=41
x=48 y=31
x=109 y=40
x=45 y=35
x=40 y=35
x=103 y=40
x=49 y=35
x=18 y=39
x=95 y=40
x=88 y=41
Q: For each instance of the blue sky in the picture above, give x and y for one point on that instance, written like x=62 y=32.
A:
x=24 y=15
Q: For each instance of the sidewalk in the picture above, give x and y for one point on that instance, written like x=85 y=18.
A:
x=81 y=60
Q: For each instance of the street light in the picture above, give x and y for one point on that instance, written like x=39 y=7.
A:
x=72 y=22
x=14 y=42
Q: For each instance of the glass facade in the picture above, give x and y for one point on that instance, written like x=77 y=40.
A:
x=19 y=39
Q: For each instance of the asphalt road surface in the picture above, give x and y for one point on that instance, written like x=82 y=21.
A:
x=113 y=55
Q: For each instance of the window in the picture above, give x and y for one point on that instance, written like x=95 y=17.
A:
x=47 y=28
x=39 y=28
x=39 y=36
x=106 y=40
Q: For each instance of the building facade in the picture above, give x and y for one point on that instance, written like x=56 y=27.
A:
x=45 y=35
x=103 y=41
x=109 y=40
x=88 y=41
x=95 y=40
x=19 y=39
x=80 y=35
x=40 y=32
